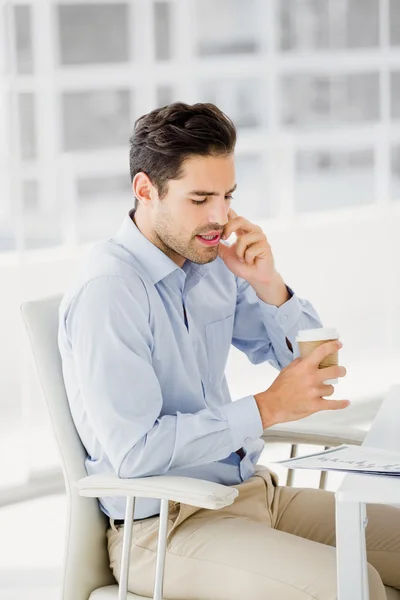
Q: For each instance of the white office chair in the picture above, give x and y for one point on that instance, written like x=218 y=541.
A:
x=87 y=574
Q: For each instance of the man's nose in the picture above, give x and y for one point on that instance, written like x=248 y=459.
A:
x=219 y=213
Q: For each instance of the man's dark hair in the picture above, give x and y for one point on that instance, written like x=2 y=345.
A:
x=164 y=138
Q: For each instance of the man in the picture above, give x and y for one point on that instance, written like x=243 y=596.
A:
x=144 y=338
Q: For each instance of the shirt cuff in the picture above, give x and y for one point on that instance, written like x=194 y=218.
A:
x=285 y=316
x=244 y=421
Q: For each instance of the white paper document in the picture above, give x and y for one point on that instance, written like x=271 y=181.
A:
x=354 y=459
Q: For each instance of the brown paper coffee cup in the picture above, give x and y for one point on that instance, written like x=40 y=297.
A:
x=309 y=339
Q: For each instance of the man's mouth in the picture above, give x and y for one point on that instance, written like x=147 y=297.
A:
x=211 y=239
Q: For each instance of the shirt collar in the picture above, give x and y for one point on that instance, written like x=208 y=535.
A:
x=157 y=264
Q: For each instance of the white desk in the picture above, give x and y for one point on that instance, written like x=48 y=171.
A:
x=358 y=490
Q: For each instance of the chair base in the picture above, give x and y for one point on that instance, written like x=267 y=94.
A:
x=110 y=592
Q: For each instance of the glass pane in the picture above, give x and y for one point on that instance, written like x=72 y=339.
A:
x=165 y=95
x=7 y=234
x=395 y=95
x=103 y=202
x=162 y=30
x=27 y=126
x=322 y=100
x=38 y=226
x=394 y=22
x=307 y=25
x=30 y=196
x=43 y=228
x=395 y=179
x=250 y=199
x=362 y=23
x=95 y=189
x=98 y=119
x=23 y=39
x=93 y=33
x=240 y=100
x=226 y=27
x=329 y=179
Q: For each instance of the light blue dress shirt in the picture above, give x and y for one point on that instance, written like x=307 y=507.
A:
x=145 y=381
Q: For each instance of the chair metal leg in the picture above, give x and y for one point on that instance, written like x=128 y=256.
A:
x=323 y=478
x=290 y=473
x=126 y=548
x=161 y=551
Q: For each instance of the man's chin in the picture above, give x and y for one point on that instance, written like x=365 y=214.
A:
x=203 y=258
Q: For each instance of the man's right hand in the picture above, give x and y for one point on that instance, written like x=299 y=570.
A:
x=299 y=391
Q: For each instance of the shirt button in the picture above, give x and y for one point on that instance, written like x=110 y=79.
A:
x=283 y=318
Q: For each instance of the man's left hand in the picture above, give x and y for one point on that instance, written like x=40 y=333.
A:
x=251 y=258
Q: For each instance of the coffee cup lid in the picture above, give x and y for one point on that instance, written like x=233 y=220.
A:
x=315 y=335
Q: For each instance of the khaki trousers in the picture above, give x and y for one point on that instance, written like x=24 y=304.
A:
x=272 y=543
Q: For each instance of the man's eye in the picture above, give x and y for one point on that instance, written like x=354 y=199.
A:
x=227 y=198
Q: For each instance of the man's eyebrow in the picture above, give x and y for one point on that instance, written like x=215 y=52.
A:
x=204 y=193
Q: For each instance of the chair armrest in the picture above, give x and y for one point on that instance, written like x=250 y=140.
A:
x=305 y=433
x=196 y=492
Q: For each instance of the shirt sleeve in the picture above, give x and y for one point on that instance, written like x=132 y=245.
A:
x=111 y=343
x=261 y=330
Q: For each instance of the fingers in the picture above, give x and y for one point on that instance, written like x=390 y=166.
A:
x=256 y=251
x=326 y=390
x=317 y=356
x=221 y=250
x=245 y=241
x=330 y=373
x=334 y=404
x=239 y=223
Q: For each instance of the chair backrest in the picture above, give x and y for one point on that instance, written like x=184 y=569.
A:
x=86 y=565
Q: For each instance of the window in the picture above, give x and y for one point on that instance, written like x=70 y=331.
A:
x=162 y=30
x=95 y=196
x=251 y=197
x=333 y=179
x=226 y=27
x=23 y=39
x=42 y=226
x=27 y=123
x=7 y=236
x=96 y=119
x=90 y=33
x=165 y=95
x=309 y=25
x=30 y=196
x=323 y=101
x=394 y=22
x=395 y=173
x=395 y=95
x=240 y=99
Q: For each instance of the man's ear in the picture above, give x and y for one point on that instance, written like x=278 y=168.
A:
x=142 y=188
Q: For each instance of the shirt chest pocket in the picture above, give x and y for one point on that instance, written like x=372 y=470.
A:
x=218 y=341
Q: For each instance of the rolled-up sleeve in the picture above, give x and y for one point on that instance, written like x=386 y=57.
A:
x=261 y=330
x=111 y=342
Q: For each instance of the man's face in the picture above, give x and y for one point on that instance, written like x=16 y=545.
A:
x=196 y=205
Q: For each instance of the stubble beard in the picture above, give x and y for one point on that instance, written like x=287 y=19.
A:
x=174 y=247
